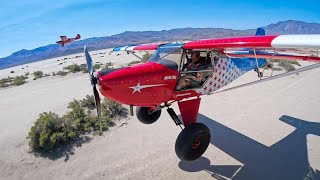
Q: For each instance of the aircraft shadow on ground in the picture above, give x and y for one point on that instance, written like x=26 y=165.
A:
x=286 y=159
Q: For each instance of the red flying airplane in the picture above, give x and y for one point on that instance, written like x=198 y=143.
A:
x=65 y=40
x=156 y=84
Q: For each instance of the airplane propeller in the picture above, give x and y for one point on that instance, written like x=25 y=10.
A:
x=94 y=81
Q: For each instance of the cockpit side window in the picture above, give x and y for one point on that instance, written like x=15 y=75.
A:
x=196 y=67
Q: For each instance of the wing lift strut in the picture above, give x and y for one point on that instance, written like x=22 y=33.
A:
x=133 y=53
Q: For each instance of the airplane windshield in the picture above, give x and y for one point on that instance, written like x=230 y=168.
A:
x=170 y=52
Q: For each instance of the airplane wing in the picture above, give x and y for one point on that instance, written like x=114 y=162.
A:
x=282 y=47
x=142 y=47
x=286 y=47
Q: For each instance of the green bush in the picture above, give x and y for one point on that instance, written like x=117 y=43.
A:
x=112 y=109
x=38 y=74
x=73 y=68
x=294 y=63
x=16 y=81
x=19 y=80
x=146 y=57
x=62 y=73
x=50 y=131
x=286 y=65
x=88 y=102
x=270 y=66
x=3 y=85
x=277 y=69
x=109 y=64
x=97 y=66
x=5 y=82
x=133 y=62
x=84 y=68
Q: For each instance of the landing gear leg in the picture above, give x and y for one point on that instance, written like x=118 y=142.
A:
x=174 y=117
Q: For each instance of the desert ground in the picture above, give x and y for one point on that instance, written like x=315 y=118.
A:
x=265 y=131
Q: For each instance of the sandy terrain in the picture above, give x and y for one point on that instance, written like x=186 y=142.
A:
x=249 y=141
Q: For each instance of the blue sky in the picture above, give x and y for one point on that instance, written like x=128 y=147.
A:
x=33 y=23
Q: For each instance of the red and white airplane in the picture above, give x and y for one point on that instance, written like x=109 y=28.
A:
x=152 y=86
x=65 y=40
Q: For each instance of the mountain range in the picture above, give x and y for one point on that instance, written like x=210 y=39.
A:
x=138 y=37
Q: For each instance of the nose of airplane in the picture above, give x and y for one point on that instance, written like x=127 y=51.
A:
x=137 y=85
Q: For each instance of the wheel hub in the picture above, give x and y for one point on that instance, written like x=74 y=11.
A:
x=196 y=144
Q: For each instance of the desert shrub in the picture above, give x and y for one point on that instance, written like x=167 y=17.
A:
x=11 y=72
x=97 y=66
x=5 y=82
x=73 y=68
x=286 y=65
x=146 y=57
x=277 y=69
x=3 y=85
x=19 y=80
x=109 y=64
x=270 y=66
x=38 y=74
x=88 y=102
x=112 y=108
x=276 y=60
x=48 y=131
x=16 y=81
x=62 y=73
x=8 y=80
x=294 y=63
x=27 y=74
x=84 y=68
x=108 y=67
x=133 y=62
x=85 y=122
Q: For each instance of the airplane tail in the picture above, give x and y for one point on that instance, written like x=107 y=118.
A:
x=260 y=32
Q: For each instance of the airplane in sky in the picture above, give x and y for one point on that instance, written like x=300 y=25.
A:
x=65 y=39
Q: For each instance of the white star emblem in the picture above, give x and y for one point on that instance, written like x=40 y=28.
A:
x=138 y=87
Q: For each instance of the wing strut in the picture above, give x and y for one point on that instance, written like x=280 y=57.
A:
x=258 y=71
x=271 y=62
x=307 y=68
x=131 y=52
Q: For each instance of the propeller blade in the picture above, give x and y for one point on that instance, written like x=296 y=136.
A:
x=98 y=105
x=89 y=61
x=307 y=68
